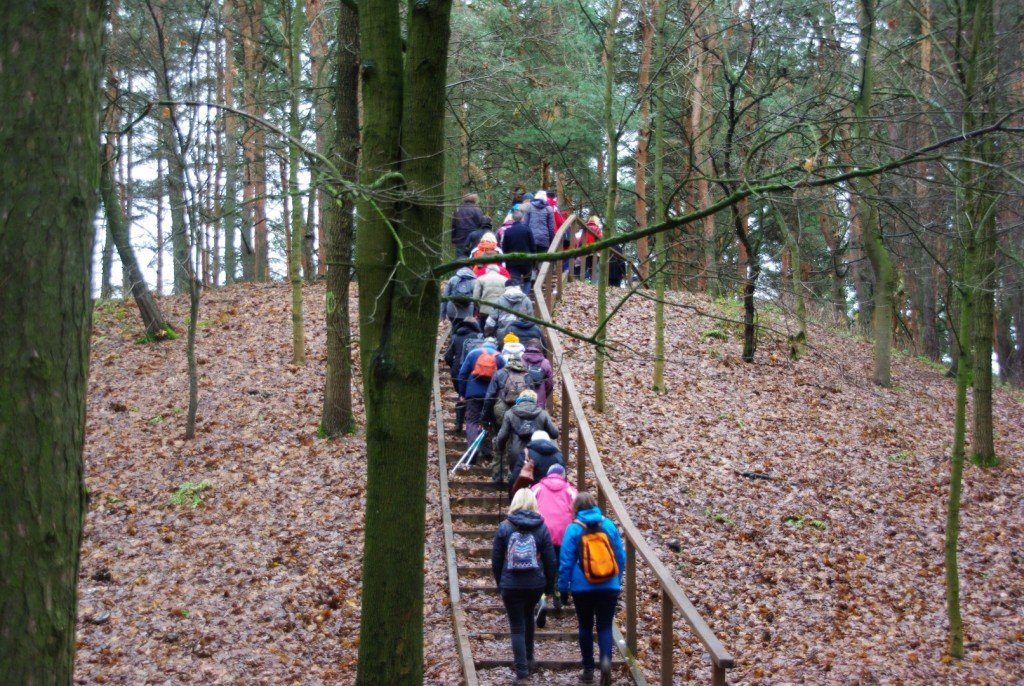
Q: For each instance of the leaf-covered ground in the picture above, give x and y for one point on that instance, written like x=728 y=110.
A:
x=829 y=571
x=260 y=582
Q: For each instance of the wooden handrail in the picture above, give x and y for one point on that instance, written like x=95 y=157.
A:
x=672 y=594
x=455 y=595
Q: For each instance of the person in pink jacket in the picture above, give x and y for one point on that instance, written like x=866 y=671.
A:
x=554 y=503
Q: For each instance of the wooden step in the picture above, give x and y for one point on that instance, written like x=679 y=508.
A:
x=496 y=501
x=557 y=665
x=537 y=635
x=499 y=608
x=465 y=552
x=476 y=532
x=474 y=570
x=494 y=518
x=478 y=484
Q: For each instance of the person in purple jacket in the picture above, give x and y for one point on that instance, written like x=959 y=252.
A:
x=533 y=359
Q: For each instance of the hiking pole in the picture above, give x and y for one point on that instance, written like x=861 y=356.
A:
x=467 y=456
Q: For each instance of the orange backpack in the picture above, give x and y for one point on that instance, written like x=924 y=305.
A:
x=486 y=365
x=597 y=556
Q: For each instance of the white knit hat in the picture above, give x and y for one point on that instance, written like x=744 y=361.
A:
x=540 y=436
x=513 y=351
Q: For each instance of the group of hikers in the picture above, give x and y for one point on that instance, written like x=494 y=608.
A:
x=553 y=538
x=529 y=227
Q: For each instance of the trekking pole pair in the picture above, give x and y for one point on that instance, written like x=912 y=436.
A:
x=467 y=457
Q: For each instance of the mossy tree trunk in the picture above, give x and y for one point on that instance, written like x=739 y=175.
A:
x=338 y=217
x=981 y=205
x=117 y=229
x=868 y=190
x=963 y=379
x=49 y=105
x=611 y=202
x=296 y=23
x=403 y=133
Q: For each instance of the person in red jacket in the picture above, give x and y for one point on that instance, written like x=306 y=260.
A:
x=591 y=234
x=553 y=202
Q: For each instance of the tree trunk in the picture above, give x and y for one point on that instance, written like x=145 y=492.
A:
x=111 y=123
x=792 y=234
x=176 y=197
x=661 y=213
x=117 y=228
x=403 y=131
x=52 y=65
x=160 y=176
x=700 y=92
x=297 y=22
x=963 y=374
x=611 y=203
x=255 y=256
x=640 y=168
x=229 y=207
x=867 y=190
x=319 y=63
x=337 y=414
x=981 y=202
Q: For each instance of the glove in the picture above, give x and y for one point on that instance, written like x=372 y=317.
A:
x=564 y=597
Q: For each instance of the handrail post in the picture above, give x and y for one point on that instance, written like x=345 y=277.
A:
x=559 y=279
x=564 y=437
x=581 y=460
x=717 y=675
x=631 y=596
x=666 y=638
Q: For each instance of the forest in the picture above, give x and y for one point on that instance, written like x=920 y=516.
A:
x=224 y=231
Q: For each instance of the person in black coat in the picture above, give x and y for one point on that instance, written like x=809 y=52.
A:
x=521 y=589
x=518 y=238
x=462 y=330
x=544 y=453
x=616 y=268
x=525 y=331
x=467 y=218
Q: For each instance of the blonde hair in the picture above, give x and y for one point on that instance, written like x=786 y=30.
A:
x=524 y=499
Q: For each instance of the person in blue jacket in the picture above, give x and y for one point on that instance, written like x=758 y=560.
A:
x=521 y=588
x=473 y=390
x=592 y=601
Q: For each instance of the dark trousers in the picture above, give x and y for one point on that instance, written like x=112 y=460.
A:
x=474 y=413
x=524 y=275
x=519 y=606
x=591 y=605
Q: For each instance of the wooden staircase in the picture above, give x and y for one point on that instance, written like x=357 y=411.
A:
x=473 y=507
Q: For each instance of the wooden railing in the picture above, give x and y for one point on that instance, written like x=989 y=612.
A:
x=548 y=290
x=462 y=646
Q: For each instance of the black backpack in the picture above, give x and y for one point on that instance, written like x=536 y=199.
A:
x=462 y=287
x=534 y=377
x=526 y=429
x=469 y=344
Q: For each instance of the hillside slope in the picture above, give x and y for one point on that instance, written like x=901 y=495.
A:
x=829 y=571
x=260 y=583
